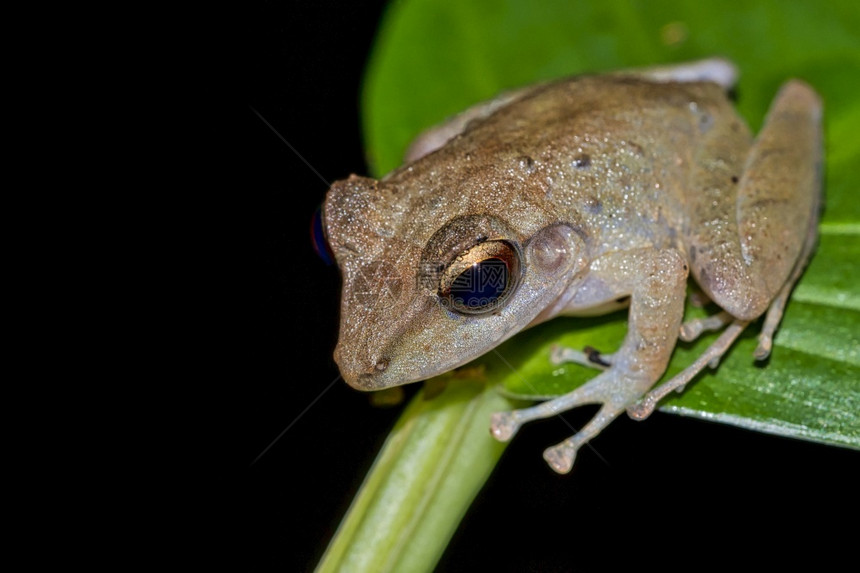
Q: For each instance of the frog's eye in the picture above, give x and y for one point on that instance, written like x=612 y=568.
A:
x=481 y=279
x=318 y=237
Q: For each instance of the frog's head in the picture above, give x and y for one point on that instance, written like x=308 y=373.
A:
x=424 y=293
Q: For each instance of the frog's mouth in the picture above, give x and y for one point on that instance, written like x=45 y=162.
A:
x=419 y=357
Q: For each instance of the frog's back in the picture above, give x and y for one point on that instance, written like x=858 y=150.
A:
x=615 y=154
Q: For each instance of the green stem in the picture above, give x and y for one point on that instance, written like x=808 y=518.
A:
x=432 y=465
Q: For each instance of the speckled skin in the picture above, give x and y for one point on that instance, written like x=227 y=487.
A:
x=611 y=187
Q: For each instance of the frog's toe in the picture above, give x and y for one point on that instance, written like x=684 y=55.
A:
x=560 y=458
x=692 y=329
x=765 y=344
x=503 y=425
x=590 y=357
x=643 y=408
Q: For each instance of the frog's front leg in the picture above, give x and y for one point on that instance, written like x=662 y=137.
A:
x=655 y=280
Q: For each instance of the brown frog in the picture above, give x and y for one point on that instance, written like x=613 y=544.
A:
x=578 y=197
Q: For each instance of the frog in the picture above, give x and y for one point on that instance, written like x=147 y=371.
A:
x=578 y=197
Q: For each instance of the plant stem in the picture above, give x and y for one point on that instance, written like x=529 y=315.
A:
x=431 y=467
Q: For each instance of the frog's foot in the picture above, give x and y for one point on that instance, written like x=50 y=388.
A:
x=588 y=356
x=710 y=357
x=692 y=329
x=613 y=389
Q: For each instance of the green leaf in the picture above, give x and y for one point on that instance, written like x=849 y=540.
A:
x=434 y=59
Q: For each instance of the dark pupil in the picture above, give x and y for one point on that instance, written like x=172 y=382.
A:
x=481 y=284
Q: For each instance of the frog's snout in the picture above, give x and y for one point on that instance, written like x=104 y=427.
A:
x=361 y=374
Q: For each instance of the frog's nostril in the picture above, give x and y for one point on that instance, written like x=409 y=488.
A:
x=369 y=379
x=375 y=368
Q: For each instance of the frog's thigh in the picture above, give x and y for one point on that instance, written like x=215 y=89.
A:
x=717 y=70
x=744 y=246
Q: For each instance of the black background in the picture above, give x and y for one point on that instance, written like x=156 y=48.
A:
x=646 y=492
